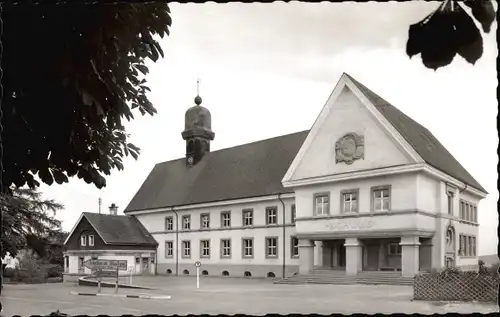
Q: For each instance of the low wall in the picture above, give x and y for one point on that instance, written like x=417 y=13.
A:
x=234 y=270
x=464 y=286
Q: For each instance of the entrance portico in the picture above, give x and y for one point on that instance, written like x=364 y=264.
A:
x=354 y=255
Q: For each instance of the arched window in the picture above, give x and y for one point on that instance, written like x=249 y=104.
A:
x=190 y=147
x=247 y=274
x=204 y=272
x=185 y=272
x=225 y=273
x=169 y=271
x=270 y=274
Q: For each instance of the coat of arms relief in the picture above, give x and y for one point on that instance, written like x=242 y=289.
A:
x=349 y=148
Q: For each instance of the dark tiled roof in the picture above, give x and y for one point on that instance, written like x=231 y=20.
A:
x=123 y=230
x=421 y=139
x=249 y=170
x=256 y=169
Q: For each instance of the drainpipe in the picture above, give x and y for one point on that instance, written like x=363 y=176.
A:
x=176 y=241
x=284 y=235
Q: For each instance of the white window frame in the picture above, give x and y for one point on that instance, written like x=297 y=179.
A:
x=272 y=216
x=247 y=217
x=322 y=204
x=394 y=249
x=293 y=212
x=378 y=196
x=186 y=248
x=205 y=221
x=247 y=249
x=186 y=220
x=83 y=240
x=204 y=248
x=350 y=198
x=169 y=223
x=225 y=246
x=169 y=249
x=91 y=240
x=271 y=246
x=225 y=219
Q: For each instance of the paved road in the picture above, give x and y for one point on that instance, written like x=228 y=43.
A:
x=225 y=296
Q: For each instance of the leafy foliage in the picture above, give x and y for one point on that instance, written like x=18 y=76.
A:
x=28 y=221
x=72 y=73
x=449 y=31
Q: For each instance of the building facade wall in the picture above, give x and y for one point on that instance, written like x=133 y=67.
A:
x=236 y=264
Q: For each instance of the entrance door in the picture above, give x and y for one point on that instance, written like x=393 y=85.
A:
x=341 y=255
x=145 y=265
x=372 y=257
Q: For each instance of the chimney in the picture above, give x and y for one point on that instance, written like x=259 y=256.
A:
x=113 y=209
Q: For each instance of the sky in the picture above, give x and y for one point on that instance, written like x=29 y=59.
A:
x=268 y=69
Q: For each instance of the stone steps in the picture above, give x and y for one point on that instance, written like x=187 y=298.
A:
x=339 y=277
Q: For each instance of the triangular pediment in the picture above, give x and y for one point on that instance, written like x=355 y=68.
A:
x=349 y=135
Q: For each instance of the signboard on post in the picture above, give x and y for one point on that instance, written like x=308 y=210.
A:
x=106 y=265
x=197 y=264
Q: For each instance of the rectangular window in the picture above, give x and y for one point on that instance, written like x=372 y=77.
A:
x=186 y=222
x=381 y=199
x=294 y=213
x=295 y=247
x=91 y=241
x=394 y=249
x=349 y=201
x=467 y=249
x=247 y=218
x=169 y=249
x=83 y=240
x=322 y=204
x=461 y=249
x=473 y=246
x=467 y=212
x=137 y=260
x=271 y=215
x=205 y=221
x=272 y=247
x=462 y=210
x=205 y=248
x=169 y=223
x=186 y=249
x=450 y=202
x=247 y=248
x=225 y=219
x=475 y=214
x=225 y=246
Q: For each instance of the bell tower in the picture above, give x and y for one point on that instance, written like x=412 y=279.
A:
x=197 y=131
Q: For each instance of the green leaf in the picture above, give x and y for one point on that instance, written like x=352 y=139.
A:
x=142 y=68
x=45 y=176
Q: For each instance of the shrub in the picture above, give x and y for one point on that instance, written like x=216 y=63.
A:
x=9 y=272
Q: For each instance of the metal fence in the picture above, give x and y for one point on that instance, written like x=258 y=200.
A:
x=469 y=286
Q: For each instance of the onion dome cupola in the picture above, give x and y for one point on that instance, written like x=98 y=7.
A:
x=197 y=132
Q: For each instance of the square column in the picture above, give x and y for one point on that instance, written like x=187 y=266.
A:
x=353 y=256
x=410 y=256
x=306 y=256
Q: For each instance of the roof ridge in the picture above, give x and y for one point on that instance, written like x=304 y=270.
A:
x=240 y=145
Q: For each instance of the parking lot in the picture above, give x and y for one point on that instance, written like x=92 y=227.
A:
x=224 y=296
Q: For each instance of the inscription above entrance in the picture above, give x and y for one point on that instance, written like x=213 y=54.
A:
x=349 y=148
x=349 y=224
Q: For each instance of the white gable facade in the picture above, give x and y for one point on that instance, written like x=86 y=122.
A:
x=367 y=201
